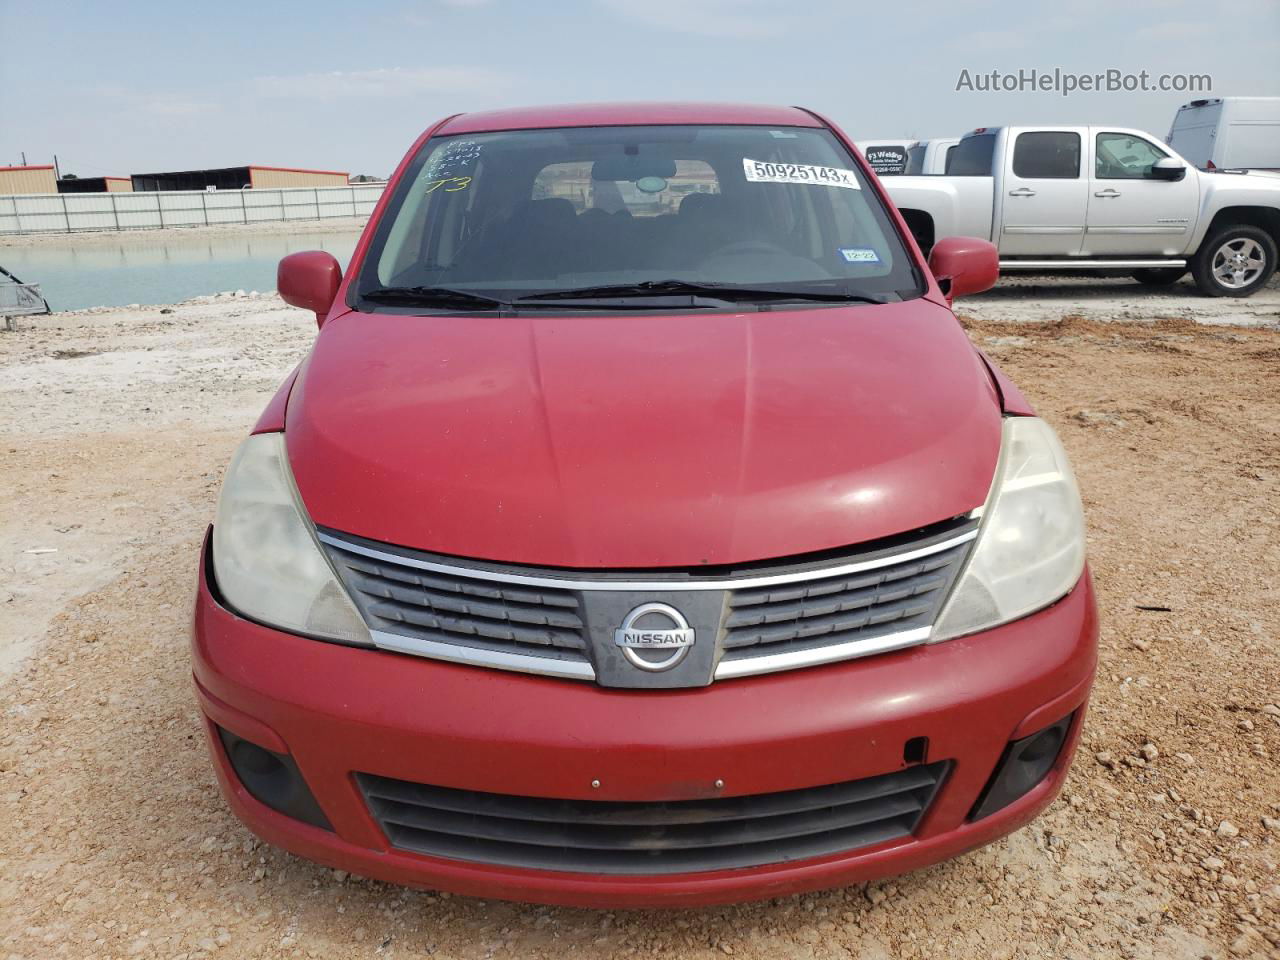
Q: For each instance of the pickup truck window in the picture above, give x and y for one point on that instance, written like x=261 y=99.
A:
x=972 y=156
x=1122 y=156
x=529 y=213
x=1047 y=155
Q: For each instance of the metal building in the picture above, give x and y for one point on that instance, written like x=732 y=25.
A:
x=95 y=185
x=238 y=178
x=28 y=180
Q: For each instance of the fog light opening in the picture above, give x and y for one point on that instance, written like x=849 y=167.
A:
x=272 y=779
x=1024 y=764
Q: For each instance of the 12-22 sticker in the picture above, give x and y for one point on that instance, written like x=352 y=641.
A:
x=763 y=171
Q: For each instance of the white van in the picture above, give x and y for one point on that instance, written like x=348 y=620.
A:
x=1229 y=133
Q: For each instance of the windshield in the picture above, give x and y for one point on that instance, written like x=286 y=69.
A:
x=539 y=212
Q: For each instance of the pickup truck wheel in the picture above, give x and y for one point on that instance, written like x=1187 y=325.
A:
x=1234 y=262
x=1159 y=276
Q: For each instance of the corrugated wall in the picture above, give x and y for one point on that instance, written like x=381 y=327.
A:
x=277 y=177
x=14 y=180
x=73 y=212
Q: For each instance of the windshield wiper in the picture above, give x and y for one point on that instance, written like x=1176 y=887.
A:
x=717 y=291
x=434 y=297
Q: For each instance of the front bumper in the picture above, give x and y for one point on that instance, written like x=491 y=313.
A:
x=339 y=710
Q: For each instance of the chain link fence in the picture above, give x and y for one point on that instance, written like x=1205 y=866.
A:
x=76 y=212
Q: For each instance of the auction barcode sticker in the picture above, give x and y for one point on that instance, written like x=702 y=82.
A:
x=759 y=171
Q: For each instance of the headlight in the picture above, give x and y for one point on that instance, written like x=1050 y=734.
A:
x=266 y=559
x=1030 y=547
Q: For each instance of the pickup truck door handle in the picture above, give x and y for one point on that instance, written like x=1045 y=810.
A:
x=1022 y=192
x=1107 y=194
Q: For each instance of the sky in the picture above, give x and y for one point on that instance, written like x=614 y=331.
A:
x=135 y=87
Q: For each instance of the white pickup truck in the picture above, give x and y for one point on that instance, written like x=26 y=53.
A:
x=1099 y=198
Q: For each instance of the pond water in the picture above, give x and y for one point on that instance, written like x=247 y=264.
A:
x=138 y=269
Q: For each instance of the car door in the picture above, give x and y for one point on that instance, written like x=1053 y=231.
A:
x=1043 y=196
x=1131 y=213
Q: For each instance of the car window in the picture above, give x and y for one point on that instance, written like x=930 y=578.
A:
x=972 y=156
x=574 y=182
x=915 y=159
x=1122 y=156
x=1047 y=155
x=539 y=211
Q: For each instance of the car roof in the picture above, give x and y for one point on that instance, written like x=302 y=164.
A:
x=628 y=114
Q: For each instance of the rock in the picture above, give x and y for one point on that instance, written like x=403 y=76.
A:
x=1272 y=710
x=1149 y=752
x=1140 y=643
x=1271 y=823
x=1247 y=944
x=1245 y=724
x=1212 y=863
x=1105 y=758
x=340 y=876
x=1091 y=417
x=1227 y=830
x=876 y=895
x=1186 y=758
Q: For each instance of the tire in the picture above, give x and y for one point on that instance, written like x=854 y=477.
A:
x=1159 y=276
x=1234 y=262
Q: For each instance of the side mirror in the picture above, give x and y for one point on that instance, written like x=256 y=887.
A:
x=964 y=265
x=309 y=280
x=1167 y=168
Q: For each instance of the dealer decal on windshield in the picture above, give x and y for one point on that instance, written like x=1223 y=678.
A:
x=760 y=171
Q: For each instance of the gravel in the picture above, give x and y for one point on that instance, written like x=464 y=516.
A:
x=1164 y=845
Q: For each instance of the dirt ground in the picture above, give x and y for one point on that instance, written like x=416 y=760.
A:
x=116 y=427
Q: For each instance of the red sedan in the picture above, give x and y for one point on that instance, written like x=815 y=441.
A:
x=642 y=529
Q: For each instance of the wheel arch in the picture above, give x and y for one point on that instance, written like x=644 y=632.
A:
x=1264 y=218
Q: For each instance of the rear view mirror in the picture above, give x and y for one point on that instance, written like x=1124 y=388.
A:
x=1167 y=168
x=964 y=266
x=309 y=280
x=633 y=167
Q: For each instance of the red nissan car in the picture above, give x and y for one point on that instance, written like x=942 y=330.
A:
x=642 y=529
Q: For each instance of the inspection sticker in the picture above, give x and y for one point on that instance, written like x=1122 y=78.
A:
x=859 y=255
x=759 y=171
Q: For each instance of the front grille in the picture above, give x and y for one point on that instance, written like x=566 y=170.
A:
x=814 y=614
x=764 y=617
x=686 y=836
x=454 y=609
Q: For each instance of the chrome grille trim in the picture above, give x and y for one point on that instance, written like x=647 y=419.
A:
x=795 y=659
x=791 y=615
x=657 y=582
x=480 y=657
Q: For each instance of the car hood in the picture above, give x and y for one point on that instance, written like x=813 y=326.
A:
x=643 y=440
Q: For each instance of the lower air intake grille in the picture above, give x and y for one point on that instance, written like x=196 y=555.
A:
x=687 y=836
